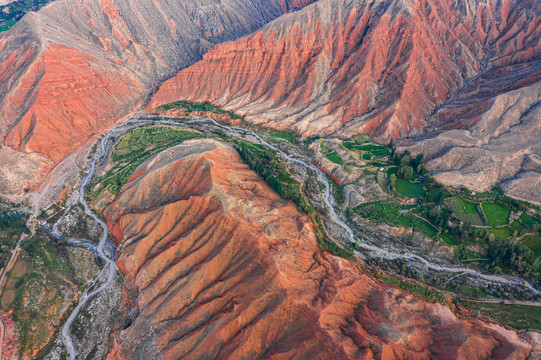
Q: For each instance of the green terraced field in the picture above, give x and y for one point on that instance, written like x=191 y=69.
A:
x=421 y=225
x=136 y=146
x=283 y=135
x=502 y=233
x=447 y=239
x=384 y=212
x=455 y=204
x=533 y=242
x=470 y=208
x=496 y=214
x=335 y=158
x=527 y=220
x=375 y=150
x=472 y=219
x=409 y=189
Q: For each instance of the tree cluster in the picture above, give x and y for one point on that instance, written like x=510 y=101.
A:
x=10 y=220
x=517 y=257
x=273 y=171
x=439 y=216
x=408 y=167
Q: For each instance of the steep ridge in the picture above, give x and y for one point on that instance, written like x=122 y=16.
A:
x=387 y=68
x=216 y=265
x=76 y=66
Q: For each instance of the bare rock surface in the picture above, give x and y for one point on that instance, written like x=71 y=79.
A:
x=387 y=68
x=503 y=148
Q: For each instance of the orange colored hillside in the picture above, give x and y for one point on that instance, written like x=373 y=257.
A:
x=217 y=265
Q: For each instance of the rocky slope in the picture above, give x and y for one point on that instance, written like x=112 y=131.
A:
x=217 y=265
x=503 y=148
x=387 y=68
x=76 y=66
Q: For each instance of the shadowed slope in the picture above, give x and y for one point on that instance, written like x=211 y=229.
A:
x=217 y=265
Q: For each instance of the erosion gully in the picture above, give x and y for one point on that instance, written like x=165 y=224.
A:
x=105 y=250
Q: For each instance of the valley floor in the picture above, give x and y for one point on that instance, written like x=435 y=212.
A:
x=362 y=198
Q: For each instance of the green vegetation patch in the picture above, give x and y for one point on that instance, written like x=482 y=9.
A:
x=335 y=158
x=496 y=214
x=327 y=244
x=501 y=233
x=6 y=26
x=470 y=208
x=375 y=150
x=191 y=106
x=455 y=204
x=12 y=12
x=527 y=220
x=518 y=227
x=410 y=189
x=469 y=218
x=274 y=171
x=12 y=225
x=134 y=148
x=361 y=139
x=382 y=181
x=448 y=240
x=52 y=271
x=419 y=224
x=381 y=212
x=395 y=215
x=391 y=170
x=520 y=317
x=461 y=253
x=533 y=242
x=288 y=136
x=489 y=195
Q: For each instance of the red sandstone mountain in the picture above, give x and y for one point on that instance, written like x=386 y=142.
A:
x=77 y=66
x=216 y=265
x=387 y=68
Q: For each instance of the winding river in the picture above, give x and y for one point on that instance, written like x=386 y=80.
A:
x=106 y=250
